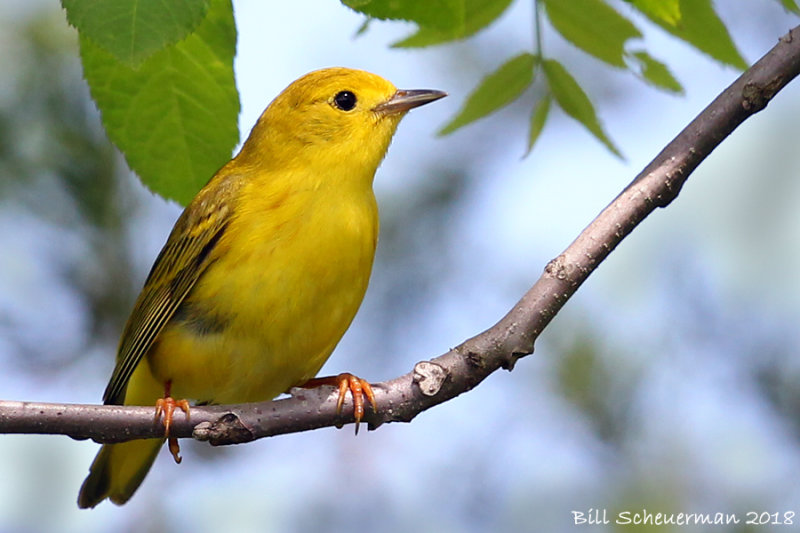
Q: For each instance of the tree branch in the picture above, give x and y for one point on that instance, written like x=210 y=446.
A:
x=464 y=367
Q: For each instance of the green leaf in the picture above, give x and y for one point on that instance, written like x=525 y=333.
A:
x=594 y=27
x=478 y=14
x=363 y=28
x=447 y=15
x=132 y=30
x=656 y=72
x=538 y=118
x=698 y=25
x=495 y=91
x=571 y=98
x=790 y=5
x=665 y=11
x=175 y=117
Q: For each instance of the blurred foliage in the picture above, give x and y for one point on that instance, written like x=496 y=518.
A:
x=57 y=164
x=410 y=229
x=588 y=381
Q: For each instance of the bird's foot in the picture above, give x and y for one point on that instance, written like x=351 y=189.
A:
x=166 y=406
x=359 y=388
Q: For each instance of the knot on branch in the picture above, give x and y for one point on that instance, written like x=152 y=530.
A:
x=755 y=96
x=429 y=377
x=227 y=429
x=562 y=269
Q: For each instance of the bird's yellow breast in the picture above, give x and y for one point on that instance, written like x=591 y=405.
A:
x=292 y=269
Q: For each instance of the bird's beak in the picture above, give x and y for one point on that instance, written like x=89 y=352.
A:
x=403 y=100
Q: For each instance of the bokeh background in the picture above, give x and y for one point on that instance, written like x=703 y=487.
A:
x=668 y=383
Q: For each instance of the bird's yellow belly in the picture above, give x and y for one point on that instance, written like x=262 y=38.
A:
x=267 y=315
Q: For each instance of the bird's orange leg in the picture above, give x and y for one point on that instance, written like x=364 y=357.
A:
x=359 y=388
x=167 y=405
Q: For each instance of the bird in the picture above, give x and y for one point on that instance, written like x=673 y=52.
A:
x=263 y=271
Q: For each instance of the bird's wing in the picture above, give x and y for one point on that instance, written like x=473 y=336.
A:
x=182 y=261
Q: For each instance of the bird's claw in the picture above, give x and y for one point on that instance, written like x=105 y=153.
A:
x=166 y=406
x=358 y=388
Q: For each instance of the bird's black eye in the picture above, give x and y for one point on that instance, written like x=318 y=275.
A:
x=345 y=100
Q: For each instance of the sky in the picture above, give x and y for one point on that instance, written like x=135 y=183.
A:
x=681 y=317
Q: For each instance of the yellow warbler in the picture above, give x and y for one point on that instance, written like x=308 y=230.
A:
x=264 y=270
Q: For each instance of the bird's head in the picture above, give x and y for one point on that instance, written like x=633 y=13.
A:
x=331 y=117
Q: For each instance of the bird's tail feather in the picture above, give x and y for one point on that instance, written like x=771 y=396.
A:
x=117 y=471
